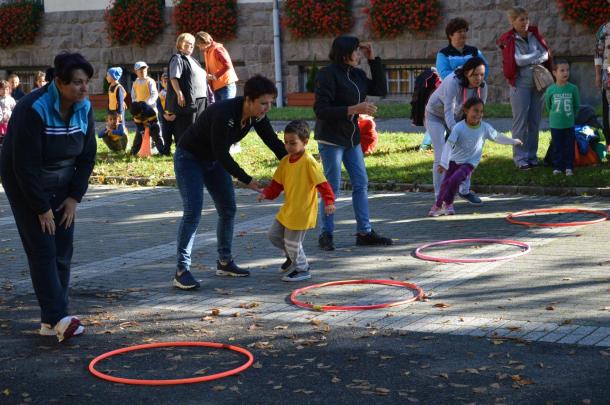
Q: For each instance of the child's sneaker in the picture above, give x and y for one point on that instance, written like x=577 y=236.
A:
x=449 y=210
x=435 y=211
x=286 y=265
x=47 y=330
x=556 y=172
x=297 y=276
x=67 y=327
x=569 y=172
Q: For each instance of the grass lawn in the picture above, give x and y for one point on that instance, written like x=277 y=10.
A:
x=396 y=159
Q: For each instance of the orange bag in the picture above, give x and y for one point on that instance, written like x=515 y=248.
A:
x=589 y=159
x=368 y=134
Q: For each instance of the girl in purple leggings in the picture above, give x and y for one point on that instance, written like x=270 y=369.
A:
x=462 y=153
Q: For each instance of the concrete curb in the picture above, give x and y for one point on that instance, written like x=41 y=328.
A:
x=390 y=186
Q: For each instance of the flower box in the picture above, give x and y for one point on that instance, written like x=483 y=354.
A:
x=301 y=99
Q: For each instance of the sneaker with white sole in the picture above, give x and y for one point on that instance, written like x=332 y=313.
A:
x=472 y=198
x=435 y=211
x=297 y=276
x=286 y=265
x=66 y=328
x=569 y=172
x=556 y=172
x=449 y=210
x=230 y=269
x=185 y=281
x=47 y=330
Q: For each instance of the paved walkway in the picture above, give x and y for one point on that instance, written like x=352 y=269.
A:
x=125 y=255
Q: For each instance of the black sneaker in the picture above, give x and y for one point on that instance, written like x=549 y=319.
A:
x=185 y=281
x=286 y=264
x=325 y=241
x=472 y=198
x=297 y=276
x=371 y=239
x=230 y=269
x=526 y=166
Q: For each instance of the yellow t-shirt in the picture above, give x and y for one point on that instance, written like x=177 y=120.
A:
x=300 y=209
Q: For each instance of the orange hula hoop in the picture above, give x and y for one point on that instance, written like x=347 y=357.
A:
x=511 y=217
x=191 y=380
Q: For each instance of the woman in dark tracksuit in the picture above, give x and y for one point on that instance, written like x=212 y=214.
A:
x=48 y=156
x=341 y=90
x=202 y=159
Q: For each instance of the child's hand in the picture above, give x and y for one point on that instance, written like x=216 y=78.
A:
x=260 y=197
x=441 y=169
x=169 y=117
x=330 y=209
x=518 y=142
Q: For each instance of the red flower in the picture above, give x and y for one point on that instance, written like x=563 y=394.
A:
x=390 y=18
x=591 y=13
x=314 y=18
x=28 y=14
x=134 y=21
x=217 y=18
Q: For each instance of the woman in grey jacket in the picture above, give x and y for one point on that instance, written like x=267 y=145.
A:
x=444 y=110
x=341 y=90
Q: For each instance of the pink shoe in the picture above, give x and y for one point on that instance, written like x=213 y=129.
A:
x=449 y=210
x=435 y=211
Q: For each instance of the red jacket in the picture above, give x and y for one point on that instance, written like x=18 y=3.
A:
x=507 y=45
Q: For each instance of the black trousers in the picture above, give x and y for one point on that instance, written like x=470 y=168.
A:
x=49 y=256
x=183 y=121
x=154 y=131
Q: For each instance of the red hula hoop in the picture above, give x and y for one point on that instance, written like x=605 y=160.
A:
x=511 y=217
x=307 y=305
x=419 y=254
x=192 y=380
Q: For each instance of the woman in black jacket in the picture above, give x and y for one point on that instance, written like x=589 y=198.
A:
x=48 y=156
x=202 y=159
x=341 y=90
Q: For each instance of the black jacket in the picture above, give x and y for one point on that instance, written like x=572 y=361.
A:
x=340 y=86
x=186 y=85
x=218 y=127
x=42 y=154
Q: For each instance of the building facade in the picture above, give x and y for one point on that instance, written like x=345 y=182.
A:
x=78 y=25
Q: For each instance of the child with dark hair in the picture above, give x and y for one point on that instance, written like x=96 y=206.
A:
x=114 y=135
x=562 y=101
x=299 y=176
x=462 y=153
x=145 y=116
x=7 y=103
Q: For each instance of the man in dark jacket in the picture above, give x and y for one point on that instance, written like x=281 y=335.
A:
x=341 y=89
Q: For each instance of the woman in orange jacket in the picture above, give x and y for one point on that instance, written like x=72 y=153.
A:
x=221 y=74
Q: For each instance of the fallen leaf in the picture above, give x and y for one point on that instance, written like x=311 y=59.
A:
x=444 y=375
x=550 y=308
x=257 y=365
x=202 y=371
x=218 y=388
x=479 y=390
x=382 y=391
x=494 y=385
x=6 y=392
x=441 y=305
x=215 y=312
x=335 y=380
x=454 y=385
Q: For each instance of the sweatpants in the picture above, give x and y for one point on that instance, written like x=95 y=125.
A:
x=526 y=103
x=562 y=148
x=49 y=256
x=291 y=242
x=435 y=126
x=454 y=176
x=155 y=134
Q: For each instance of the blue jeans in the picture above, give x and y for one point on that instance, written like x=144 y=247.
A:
x=192 y=175
x=225 y=93
x=353 y=159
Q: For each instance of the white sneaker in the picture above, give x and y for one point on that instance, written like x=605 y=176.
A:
x=67 y=327
x=569 y=172
x=556 y=172
x=47 y=330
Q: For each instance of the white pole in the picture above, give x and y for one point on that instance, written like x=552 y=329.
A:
x=277 y=53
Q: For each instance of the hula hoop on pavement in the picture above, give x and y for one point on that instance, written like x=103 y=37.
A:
x=307 y=305
x=511 y=217
x=191 y=380
x=419 y=254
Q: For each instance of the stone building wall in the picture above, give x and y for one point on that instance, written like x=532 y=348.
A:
x=252 y=50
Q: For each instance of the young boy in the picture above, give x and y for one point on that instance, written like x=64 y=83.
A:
x=299 y=176
x=114 y=135
x=562 y=100
x=116 y=94
x=166 y=118
x=144 y=89
x=145 y=116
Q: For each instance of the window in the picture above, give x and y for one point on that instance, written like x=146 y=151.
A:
x=304 y=72
x=401 y=78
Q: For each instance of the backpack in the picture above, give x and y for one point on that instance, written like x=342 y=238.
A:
x=425 y=84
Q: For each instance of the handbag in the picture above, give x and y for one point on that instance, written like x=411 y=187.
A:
x=542 y=77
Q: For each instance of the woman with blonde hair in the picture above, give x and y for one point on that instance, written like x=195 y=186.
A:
x=523 y=48
x=186 y=94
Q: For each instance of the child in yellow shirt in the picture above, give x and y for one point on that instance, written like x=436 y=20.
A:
x=299 y=176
